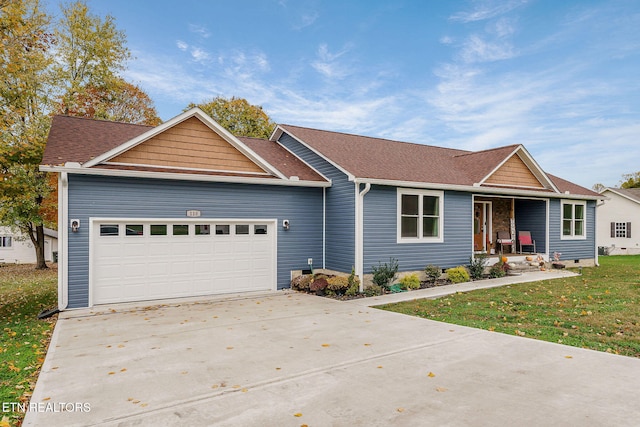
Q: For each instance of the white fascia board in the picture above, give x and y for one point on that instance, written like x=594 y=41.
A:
x=328 y=160
x=619 y=194
x=474 y=189
x=183 y=176
x=531 y=164
x=204 y=118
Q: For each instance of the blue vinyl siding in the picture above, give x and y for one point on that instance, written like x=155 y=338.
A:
x=531 y=215
x=91 y=196
x=340 y=207
x=380 y=232
x=571 y=249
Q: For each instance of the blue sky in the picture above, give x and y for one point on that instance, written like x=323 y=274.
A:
x=560 y=77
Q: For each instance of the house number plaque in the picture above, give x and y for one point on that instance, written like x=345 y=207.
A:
x=193 y=214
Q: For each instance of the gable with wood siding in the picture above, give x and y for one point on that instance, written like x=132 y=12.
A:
x=189 y=145
x=514 y=172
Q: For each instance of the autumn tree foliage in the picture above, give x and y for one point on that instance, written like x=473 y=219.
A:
x=70 y=66
x=25 y=84
x=238 y=116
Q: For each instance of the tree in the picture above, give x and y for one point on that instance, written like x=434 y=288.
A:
x=120 y=101
x=630 y=180
x=598 y=187
x=91 y=51
x=79 y=77
x=24 y=86
x=238 y=116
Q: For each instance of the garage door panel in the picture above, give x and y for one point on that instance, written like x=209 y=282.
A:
x=141 y=267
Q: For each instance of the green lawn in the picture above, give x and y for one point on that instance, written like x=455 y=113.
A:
x=599 y=310
x=24 y=292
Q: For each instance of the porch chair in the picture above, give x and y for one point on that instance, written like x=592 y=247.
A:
x=524 y=239
x=504 y=239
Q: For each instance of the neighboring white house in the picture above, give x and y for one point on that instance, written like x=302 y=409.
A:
x=17 y=248
x=617 y=216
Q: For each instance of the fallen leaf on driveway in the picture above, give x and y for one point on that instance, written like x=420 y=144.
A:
x=431 y=374
x=568 y=357
x=297 y=414
x=400 y=409
x=326 y=345
x=441 y=389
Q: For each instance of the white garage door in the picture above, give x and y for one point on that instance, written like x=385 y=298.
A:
x=136 y=260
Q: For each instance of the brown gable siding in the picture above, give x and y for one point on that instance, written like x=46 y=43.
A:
x=190 y=144
x=514 y=172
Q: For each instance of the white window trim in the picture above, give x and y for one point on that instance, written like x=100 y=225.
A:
x=584 y=225
x=620 y=227
x=406 y=191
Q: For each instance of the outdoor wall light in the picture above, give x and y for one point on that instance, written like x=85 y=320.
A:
x=75 y=225
x=285 y=224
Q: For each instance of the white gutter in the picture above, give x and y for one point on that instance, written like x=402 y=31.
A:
x=182 y=176
x=476 y=189
x=63 y=236
x=359 y=238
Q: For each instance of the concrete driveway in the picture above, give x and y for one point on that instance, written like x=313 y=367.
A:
x=289 y=359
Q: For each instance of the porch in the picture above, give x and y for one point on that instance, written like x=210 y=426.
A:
x=501 y=226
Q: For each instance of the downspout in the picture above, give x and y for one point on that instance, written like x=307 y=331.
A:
x=324 y=227
x=595 y=237
x=63 y=242
x=359 y=267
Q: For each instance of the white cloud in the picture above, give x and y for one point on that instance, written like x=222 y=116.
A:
x=475 y=49
x=306 y=20
x=328 y=65
x=487 y=9
x=200 y=30
x=200 y=55
x=182 y=45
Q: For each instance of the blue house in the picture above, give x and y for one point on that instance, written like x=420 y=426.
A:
x=187 y=209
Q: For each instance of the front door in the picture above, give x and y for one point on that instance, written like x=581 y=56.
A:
x=481 y=212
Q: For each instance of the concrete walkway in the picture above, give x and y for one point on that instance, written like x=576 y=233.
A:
x=291 y=359
x=440 y=291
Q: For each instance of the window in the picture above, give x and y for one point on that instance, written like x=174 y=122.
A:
x=180 y=230
x=222 y=229
x=5 y=241
x=203 y=229
x=242 y=228
x=420 y=216
x=621 y=229
x=109 y=229
x=573 y=220
x=134 y=230
x=260 y=229
x=158 y=230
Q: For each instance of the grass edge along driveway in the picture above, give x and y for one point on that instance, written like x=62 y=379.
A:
x=24 y=339
x=599 y=310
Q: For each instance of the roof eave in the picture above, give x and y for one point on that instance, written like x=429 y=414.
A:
x=80 y=170
x=476 y=189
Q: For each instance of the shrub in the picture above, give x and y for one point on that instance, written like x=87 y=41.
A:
x=373 y=290
x=338 y=284
x=476 y=265
x=433 y=273
x=319 y=285
x=411 y=281
x=354 y=283
x=384 y=274
x=458 y=274
x=301 y=283
x=496 y=271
